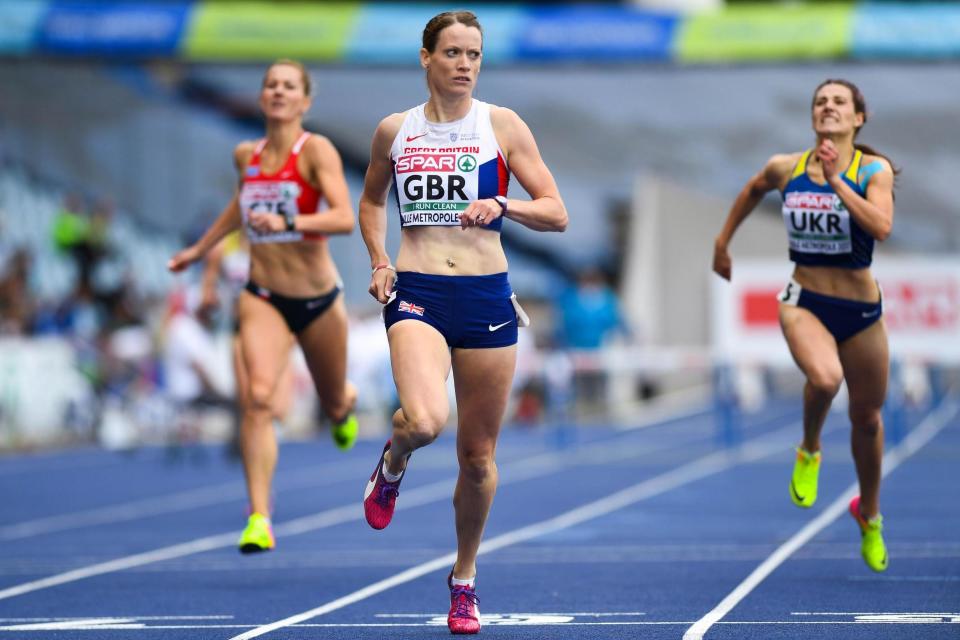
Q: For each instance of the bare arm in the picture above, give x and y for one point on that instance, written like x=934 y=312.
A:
x=211 y=276
x=874 y=213
x=770 y=177
x=373 y=202
x=228 y=220
x=545 y=210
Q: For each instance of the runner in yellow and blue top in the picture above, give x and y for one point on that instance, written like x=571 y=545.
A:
x=449 y=304
x=837 y=200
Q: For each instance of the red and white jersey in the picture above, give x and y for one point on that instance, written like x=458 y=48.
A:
x=439 y=168
x=284 y=192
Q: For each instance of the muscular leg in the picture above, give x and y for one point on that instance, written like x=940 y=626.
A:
x=324 y=344
x=421 y=364
x=284 y=393
x=866 y=362
x=483 y=379
x=265 y=344
x=815 y=352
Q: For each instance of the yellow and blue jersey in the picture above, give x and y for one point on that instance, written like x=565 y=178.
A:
x=820 y=230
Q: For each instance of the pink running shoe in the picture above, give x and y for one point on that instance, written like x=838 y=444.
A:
x=464 y=616
x=380 y=496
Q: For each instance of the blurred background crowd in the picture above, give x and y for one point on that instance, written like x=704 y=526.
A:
x=117 y=122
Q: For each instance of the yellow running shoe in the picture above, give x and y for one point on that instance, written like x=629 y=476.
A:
x=345 y=433
x=258 y=536
x=872 y=547
x=803 y=485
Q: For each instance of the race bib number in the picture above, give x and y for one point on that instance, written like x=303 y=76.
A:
x=270 y=197
x=817 y=223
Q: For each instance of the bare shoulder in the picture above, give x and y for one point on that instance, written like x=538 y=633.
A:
x=243 y=152
x=869 y=159
x=504 y=120
x=782 y=163
x=318 y=147
x=390 y=126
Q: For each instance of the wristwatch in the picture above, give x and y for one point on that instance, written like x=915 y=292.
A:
x=502 y=201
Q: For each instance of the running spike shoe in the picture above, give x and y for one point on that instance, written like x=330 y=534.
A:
x=803 y=485
x=464 y=616
x=380 y=496
x=872 y=547
x=258 y=535
x=345 y=433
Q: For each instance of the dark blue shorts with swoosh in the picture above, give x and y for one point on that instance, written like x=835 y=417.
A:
x=842 y=317
x=470 y=312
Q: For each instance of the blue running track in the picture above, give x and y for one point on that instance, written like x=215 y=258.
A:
x=650 y=532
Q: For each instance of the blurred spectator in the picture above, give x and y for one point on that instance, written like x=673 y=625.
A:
x=81 y=234
x=17 y=306
x=189 y=360
x=589 y=312
x=589 y=316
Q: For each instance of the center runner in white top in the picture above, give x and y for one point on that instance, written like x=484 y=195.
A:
x=440 y=168
x=451 y=305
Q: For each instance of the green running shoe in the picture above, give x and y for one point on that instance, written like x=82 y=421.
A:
x=345 y=433
x=258 y=536
x=803 y=486
x=872 y=548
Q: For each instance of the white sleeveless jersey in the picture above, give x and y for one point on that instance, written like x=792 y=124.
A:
x=440 y=168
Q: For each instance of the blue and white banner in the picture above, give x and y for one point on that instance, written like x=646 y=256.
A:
x=595 y=34
x=137 y=29
x=906 y=31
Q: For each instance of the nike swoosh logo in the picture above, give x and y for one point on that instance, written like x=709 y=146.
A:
x=491 y=327
x=412 y=138
x=793 y=490
x=869 y=314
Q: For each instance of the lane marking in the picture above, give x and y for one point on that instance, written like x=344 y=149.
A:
x=545 y=620
x=529 y=468
x=292 y=480
x=234 y=491
x=921 y=435
x=699 y=468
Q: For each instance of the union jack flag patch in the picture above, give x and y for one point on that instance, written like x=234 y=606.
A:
x=410 y=308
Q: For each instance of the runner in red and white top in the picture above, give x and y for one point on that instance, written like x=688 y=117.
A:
x=293 y=291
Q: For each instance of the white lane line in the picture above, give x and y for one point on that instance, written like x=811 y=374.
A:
x=536 y=466
x=313 y=477
x=104 y=625
x=215 y=494
x=684 y=474
x=917 y=438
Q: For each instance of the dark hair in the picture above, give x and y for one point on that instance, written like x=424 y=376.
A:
x=859 y=106
x=439 y=22
x=304 y=74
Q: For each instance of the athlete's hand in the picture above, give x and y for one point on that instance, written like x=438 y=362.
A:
x=262 y=222
x=381 y=284
x=183 y=259
x=209 y=298
x=480 y=213
x=828 y=154
x=722 y=264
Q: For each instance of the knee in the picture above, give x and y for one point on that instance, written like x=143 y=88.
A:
x=477 y=465
x=259 y=396
x=826 y=381
x=337 y=406
x=866 y=421
x=422 y=428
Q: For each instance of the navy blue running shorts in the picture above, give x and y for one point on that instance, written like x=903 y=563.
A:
x=843 y=318
x=470 y=312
